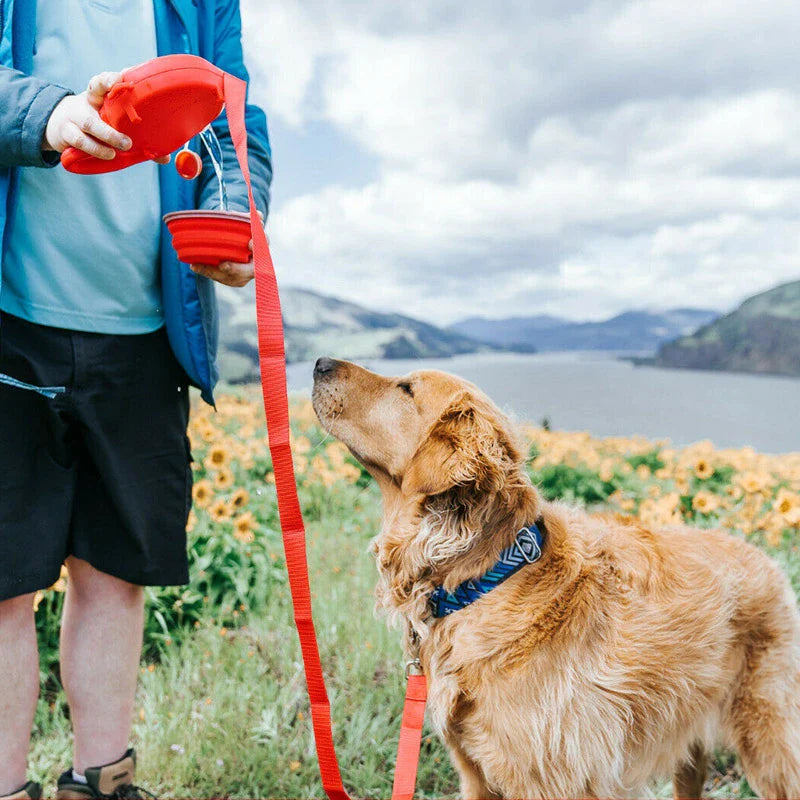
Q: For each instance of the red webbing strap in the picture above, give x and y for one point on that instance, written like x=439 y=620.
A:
x=405 y=771
x=272 y=361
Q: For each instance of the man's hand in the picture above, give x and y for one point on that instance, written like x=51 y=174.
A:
x=75 y=122
x=227 y=272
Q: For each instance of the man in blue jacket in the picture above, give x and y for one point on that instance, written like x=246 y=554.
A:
x=101 y=331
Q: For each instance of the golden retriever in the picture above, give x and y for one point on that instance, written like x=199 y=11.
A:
x=621 y=655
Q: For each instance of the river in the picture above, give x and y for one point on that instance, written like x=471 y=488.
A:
x=606 y=396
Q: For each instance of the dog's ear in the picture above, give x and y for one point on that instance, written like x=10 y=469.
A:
x=467 y=446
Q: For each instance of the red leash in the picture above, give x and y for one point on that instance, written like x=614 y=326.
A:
x=272 y=358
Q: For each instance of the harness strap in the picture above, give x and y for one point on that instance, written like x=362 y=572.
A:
x=272 y=361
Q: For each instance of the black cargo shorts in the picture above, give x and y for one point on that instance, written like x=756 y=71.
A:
x=101 y=472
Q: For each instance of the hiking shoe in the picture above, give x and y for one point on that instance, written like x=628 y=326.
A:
x=111 y=780
x=30 y=791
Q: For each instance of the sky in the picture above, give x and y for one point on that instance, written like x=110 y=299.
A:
x=447 y=159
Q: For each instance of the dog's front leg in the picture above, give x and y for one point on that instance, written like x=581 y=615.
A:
x=473 y=785
x=690 y=776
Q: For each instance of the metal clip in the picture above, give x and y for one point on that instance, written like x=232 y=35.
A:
x=413 y=667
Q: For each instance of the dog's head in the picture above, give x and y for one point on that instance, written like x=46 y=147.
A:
x=425 y=433
x=449 y=468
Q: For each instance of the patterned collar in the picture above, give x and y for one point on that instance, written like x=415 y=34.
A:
x=526 y=549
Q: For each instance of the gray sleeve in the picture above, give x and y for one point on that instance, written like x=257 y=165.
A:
x=25 y=106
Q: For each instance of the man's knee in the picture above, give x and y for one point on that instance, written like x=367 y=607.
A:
x=90 y=585
x=16 y=610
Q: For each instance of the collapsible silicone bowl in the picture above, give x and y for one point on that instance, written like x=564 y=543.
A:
x=210 y=237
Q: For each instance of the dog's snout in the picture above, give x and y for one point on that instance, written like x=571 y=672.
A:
x=325 y=366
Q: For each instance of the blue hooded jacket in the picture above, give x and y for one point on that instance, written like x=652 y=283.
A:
x=208 y=28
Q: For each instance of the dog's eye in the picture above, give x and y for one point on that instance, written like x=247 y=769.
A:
x=406 y=387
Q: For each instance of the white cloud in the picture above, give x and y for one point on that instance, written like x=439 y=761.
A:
x=569 y=157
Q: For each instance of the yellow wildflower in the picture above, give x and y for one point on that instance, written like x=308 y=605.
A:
x=218 y=457
x=753 y=482
x=220 y=511
x=705 y=502
x=202 y=493
x=786 y=501
x=243 y=527
x=240 y=498
x=223 y=479
x=703 y=469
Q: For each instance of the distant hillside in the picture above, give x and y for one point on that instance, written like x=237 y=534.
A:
x=317 y=325
x=762 y=335
x=632 y=331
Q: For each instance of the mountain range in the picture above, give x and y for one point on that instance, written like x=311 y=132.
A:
x=316 y=325
x=762 y=335
x=631 y=331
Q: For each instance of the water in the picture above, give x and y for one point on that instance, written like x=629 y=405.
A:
x=609 y=397
x=211 y=143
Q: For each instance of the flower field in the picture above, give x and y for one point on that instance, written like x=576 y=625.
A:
x=222 y=708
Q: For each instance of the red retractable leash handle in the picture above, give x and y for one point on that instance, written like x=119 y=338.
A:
x=272 y=361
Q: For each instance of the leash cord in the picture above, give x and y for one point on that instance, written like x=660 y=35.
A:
x=272 y=362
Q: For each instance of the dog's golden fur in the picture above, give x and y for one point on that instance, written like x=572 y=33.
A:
x=623 y=654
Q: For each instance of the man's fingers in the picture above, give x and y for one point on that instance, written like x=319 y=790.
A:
x=100 y=85
x=74 y=136
x=227 y=273
x=95 y=127
x=162 y=160
x=103 y=81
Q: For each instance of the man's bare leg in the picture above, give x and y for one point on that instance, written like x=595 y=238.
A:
x=101 y=643
x=19 y=688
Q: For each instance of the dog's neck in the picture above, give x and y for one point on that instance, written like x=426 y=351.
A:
x=444 y=540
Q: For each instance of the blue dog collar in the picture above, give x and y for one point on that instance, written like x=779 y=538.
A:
x=527 y=549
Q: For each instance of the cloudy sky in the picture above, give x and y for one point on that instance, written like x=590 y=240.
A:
x=445 y=158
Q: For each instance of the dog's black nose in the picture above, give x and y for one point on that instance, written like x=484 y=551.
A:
x=324 y=366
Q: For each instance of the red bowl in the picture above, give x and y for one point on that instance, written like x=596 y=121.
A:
x=210 y=237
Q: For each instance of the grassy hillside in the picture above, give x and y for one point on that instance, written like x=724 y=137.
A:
x=222 y=709
x=762 y=335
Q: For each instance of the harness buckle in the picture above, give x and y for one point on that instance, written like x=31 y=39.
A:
x=528 y=545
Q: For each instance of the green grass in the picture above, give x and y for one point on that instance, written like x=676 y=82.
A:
x=227 y=715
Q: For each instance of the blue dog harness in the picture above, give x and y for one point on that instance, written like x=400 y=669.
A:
x=527 y=549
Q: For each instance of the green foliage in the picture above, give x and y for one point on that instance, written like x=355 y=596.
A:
x=227 y=577
x=651 y=460
x=572 y=484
